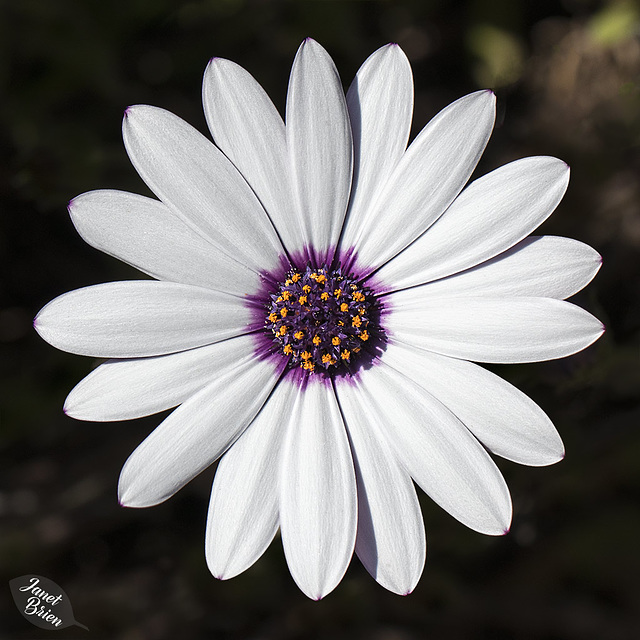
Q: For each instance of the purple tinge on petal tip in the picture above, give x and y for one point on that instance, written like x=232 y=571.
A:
x=505 y=531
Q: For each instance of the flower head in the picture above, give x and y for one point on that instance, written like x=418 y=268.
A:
x=320 y=292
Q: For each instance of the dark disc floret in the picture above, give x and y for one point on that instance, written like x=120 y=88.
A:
x=321 y=319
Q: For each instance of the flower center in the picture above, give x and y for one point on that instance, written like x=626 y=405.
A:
x=322 y=320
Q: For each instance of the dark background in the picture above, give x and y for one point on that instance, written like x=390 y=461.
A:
x=567 y=79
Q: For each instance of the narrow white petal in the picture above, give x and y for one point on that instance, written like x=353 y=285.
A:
x=502 y=330
x=380 y=102
x=539 y=266
x=243 y=511
x=488 y=217
x=146 y=234
x=201 y=185
x=391 y=542
x=320 y=147
x=317 y=492
x=127 y=389
x=196 y=434
x=140 y=318
x=247 y=127
x=503 y=418
x=428 y=177
x=439 y=452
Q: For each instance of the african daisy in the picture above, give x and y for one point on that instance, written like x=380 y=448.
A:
x=320 y=292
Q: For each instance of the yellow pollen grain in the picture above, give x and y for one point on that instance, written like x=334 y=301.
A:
x=287 y=350
x=321 y=279
x=306 y=288
x=305 y=355
x=279 y=299
x=273 y=317
x=298 y=335
x=324 y=296
x=346 y=354
x=302 y=300
x=286 y=295
x=335 y=341
x=364 y=336
x=344 y=307
x=295 y=277
x=356 y=321
x=283 y=313
x=326 y=358
x=308 y=365
x=282 y=330
x=358 y=296
x=337 y=292
x=316 y=340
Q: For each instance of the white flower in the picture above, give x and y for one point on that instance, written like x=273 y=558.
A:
x=320 y=290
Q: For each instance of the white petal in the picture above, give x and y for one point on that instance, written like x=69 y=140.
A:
x=147 y=235
x=442 y=456
x=539 y=266
x=506 y=330
x=196 y=434
x=127 y=389
x=380 y=102
x=140 y=318
x=249 y=130
x=488 y=217
x=317 y=491
x=428 y=177
x=504 y=419
x=196 y=181
x=391 y=542
x=243 y=511
x=320 y=148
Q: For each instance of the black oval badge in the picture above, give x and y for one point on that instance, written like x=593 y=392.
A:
x=43 y=603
